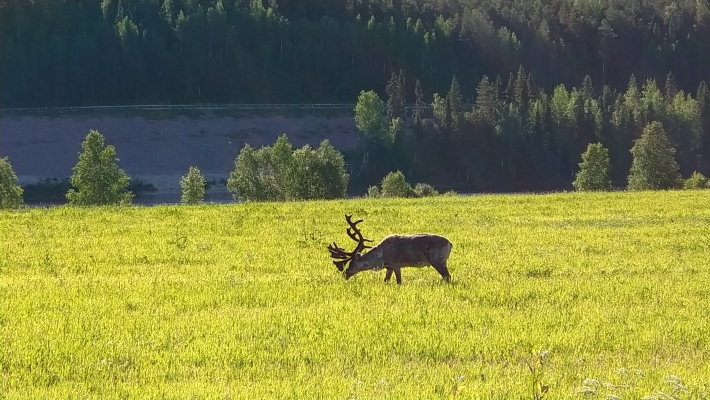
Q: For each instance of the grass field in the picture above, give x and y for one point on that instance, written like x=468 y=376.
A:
x=242 y=301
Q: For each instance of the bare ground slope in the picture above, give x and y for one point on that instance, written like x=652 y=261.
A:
x=159 y=150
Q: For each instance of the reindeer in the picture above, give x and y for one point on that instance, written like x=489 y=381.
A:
x=392 y=253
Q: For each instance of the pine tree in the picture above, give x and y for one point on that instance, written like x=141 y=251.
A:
x=522 y=91
x=587 y=88
x=654 y=166
x=594 y=169
x=395 y=97
x=454 y=100
x=418 y=104
x=486 y=103
x=671 y=87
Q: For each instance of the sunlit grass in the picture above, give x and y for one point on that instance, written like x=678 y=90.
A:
x=242 y=301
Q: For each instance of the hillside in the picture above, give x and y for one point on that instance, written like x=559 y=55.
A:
x=159 y=149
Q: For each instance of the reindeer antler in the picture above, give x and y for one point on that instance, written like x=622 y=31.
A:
x=356 y=235
x=338 y=253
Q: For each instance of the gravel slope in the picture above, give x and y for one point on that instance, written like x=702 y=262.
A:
x=159 y=151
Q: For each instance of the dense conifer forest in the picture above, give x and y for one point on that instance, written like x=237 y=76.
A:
x=547 y=77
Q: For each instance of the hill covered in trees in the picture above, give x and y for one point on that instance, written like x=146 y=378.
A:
x=547 y=77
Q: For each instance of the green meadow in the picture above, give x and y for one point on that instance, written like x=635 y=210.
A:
x=565 y=296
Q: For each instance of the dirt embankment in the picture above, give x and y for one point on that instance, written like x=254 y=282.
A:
x=159 y=150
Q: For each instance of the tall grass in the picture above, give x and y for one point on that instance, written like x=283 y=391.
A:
x=564 y=295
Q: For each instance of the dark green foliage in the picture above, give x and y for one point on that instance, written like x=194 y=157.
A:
x=371 y=118
x=594 y=169
x=424 y=190
x=279 y=173
x=418 y=105
x=395 y=184
x=454 y=104
x=654 y=166
x=48 y=189
x=697 y=181
x=395 y=96
x=10 y=191
x=319 y=173
x=96 y=178
x=115 y=51
x=193 y=187
x=245 y=181
x=374 y=191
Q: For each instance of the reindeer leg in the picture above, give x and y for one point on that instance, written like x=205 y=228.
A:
x=388 y=275
x=443 y=271
x=398 y=275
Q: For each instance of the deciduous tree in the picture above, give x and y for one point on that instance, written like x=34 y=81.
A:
x=96 y=176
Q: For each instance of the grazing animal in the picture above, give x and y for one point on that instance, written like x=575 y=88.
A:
x=392 y=253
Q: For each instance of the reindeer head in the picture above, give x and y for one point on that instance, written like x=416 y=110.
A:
x=340 y=256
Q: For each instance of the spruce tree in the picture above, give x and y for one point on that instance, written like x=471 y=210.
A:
x=454 y=100
x=654 y=166
x=671 y=87
x=418 y=104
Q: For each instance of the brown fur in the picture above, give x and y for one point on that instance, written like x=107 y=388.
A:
x=393 y=253
x=398 y=251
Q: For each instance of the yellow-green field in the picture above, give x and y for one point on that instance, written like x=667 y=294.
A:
x=242 y=301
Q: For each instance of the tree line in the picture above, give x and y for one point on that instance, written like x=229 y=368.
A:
x=89 y=52
x=280 y=173
x=518 y=136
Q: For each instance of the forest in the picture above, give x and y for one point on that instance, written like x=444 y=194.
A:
x=546 y=77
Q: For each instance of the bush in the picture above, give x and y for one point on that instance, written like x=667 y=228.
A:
x=48 y=189
x=138 y=187
x=696 y=181
x=318 y=174
x=373 y=191
x=395 y=184
x=96 y=177
x=451 y=193
x=594 y=169
x=193 y=187
x=10 y=191
x=425 y=190
x=278 y=173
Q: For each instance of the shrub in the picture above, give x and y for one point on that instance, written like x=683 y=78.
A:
x=696 y=181
x=373 y=191
x=425 y=190
x=395 y=184
x=193 y=187
x=279 y=173
x=10 y=191
x=138 y=187
x=48 y=189
x=96 y=177
x=244 y=181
